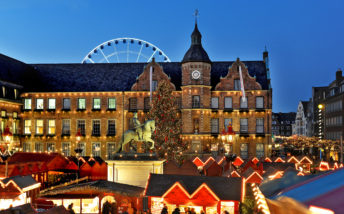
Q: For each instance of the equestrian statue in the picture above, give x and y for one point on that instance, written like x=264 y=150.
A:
x=141 y=132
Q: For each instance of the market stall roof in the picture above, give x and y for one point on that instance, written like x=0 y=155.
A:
x=25 y=208
x=316 y=186
x=96 y=187
x=21 y=181
x=225 y=188
x=274 y=187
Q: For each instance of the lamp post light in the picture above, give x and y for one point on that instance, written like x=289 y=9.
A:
x=7 y=136
x=227 y=136
x=78 y=150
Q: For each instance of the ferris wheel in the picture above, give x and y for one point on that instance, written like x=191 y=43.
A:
x=125 y=50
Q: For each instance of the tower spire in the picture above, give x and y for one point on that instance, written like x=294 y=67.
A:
x=196 y=14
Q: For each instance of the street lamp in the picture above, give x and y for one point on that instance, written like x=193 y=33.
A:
x=78 y=150
x=228 y=135
x=7 y=136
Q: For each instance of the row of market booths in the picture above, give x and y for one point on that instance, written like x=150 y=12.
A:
x=52 y=168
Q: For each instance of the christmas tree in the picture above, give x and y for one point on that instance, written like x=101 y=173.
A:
x=168 y=123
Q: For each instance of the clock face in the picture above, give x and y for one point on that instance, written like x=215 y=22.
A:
x=196 y=74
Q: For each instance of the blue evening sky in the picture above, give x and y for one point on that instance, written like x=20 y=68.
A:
x=305 y=38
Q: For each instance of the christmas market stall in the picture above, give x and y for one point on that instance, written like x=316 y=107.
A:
x=94 y=196
x=17 y=190
x=210 y=194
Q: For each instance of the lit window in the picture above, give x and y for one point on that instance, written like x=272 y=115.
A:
x=96 y=149
x=228 y=103
x=3 y=91
x=65 y=127
x=39 y=104
x=215 y=125
x=243 y=125
x=39 y=127
x=260 y=150
x=51 y=104
x=111 y=150
x=15 y=115
x=81 y=125
x=237 y=85
x=259 y=102
x=3 y=113
x=14 y=127
x=66 y=148
x=81 y=103
x=96 y=127
x=243 y=102
x=38 y=147
x=66 y=104
x=27 y=104
x=112 y=103
x=111 y=127
x=96 y=103
x=27 y=126
x=51 y=147
x=215 y=102
x=51 y=127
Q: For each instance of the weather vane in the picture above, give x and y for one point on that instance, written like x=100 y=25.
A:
x=196 y=14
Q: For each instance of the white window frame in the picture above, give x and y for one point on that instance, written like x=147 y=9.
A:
x=27 y=126
x=228 y=102
x=98 y=106
x=112 y=155
x=215 y=102
x=51 y=127
x=81 y=105
x=243 y=102
x=94 y=149
x=38 y=132
x=51 y=103
x=260 y=102
x=64 y=104
x=109 y=103
x=39 y=103
x=51 y=145
x=27 y=104
x=66 y=149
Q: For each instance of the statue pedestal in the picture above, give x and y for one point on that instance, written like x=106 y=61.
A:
x=133 y=169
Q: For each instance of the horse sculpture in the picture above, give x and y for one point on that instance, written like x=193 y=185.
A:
x=130 y=135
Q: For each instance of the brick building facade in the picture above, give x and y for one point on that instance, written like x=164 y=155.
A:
x=100 y=99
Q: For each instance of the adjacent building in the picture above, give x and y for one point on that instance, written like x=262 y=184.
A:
x=303 y=122
x=333 y=108
x=54 y=101
x=282 y=123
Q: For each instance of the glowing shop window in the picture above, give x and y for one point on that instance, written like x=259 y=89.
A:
x=157 y=205
x=227 y=206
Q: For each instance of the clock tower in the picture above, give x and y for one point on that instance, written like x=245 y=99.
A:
x=196 y=93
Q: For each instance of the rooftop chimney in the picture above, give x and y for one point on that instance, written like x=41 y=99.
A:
x=339 y=74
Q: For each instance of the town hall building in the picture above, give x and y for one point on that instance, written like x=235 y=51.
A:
x=46 y=104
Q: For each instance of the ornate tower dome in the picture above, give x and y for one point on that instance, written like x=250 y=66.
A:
x=196 y=53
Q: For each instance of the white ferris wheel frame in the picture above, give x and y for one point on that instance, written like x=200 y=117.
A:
x=129 y=41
